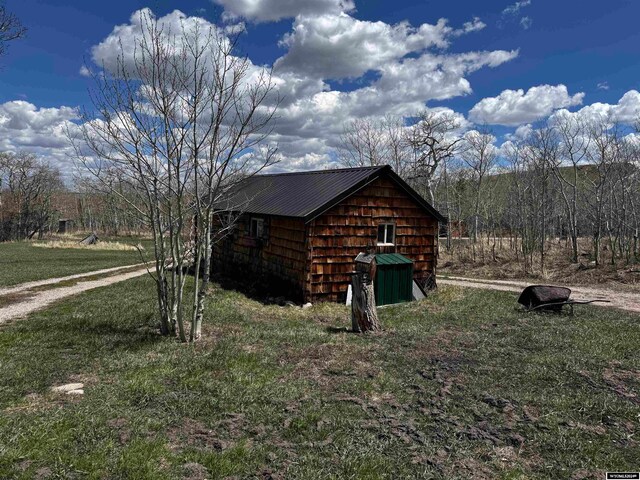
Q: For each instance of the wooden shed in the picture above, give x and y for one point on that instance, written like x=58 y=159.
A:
x=299 y=233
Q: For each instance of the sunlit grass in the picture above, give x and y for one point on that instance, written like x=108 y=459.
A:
x=461 y=385
x=23 y=262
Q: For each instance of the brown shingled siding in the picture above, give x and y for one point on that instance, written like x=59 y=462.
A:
x=280 y=256
x=336 y=237
x=316 y=259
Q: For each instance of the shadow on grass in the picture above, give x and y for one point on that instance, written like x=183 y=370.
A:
x=336 y=330
x=261 y=289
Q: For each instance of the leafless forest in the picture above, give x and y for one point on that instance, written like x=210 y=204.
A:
x=573 y=182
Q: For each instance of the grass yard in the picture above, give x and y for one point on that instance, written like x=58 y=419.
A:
x=458 y=386
x=23 y=262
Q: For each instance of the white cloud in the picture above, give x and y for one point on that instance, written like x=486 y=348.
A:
x=272 y=10
x=626 y=111
x=340 y=46
x=512 y=14
x=515 y=107
x=520 y=133
x=235 y=28
x=603 y=85
x=84 y=71
x=475 y=25
x=526 y=22
x=515 y=8
x=122 y=45
x=411 y=65
x=42 y=131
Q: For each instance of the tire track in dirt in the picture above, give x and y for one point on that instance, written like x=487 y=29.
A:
x=621 y=300
x=37 y=300
x=50 y=281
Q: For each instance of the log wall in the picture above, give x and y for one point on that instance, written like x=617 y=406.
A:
x=335 y=238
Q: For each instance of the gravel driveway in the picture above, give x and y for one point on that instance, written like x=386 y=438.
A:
x=29 y=301
x=622 y=300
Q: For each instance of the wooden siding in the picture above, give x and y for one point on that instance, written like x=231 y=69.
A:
x=279 y=257
x=336 y=237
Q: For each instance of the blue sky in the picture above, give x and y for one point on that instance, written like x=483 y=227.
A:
x=590 y=47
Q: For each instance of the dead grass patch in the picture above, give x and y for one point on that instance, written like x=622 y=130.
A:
x=329 y=364
x=195 y=471
x=625 y=383
x=193 y=433
x=459 y=260
x=66 y=244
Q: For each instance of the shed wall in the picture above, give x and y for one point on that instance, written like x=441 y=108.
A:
x=277 y=262
x=337 y=236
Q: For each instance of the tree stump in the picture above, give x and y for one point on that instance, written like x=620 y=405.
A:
x=364 y=316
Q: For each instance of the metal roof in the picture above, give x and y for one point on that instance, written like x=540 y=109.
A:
x=307 y=195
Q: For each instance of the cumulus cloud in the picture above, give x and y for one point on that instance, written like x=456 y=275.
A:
x=521 y=133
x=626 y=111
x=411 y=63
x=328 y=46
x=515 y=107
x=272 y=10
x=603 y=85
x=402 y=89
x=340 y=46
x=122 y=45
x=42 y=131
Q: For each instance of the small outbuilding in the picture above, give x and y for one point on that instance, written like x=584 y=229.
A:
x=64 y=225
x=299 y=233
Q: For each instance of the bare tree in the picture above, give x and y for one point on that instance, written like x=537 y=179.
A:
x=479 y=153
x=542 y=152
x=573 y=147
x=570 y=178
x=27 y=185
x=432 y=140
x=604 y=149
x=10 y=28
x=98 y=209
x=180 y=120
x=362 y=144
x=367 y=142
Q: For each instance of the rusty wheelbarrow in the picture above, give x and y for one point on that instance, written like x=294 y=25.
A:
x=549 y=298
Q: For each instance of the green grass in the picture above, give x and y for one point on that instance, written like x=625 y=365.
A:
x=458 y=386
x=22 y=262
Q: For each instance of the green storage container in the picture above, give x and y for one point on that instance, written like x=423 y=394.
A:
x=394 y=279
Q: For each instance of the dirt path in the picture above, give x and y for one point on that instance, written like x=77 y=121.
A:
x=622 y=300
x=28 y=301
x=50 y=281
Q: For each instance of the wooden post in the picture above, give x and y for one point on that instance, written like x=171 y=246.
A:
x=364 y=315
